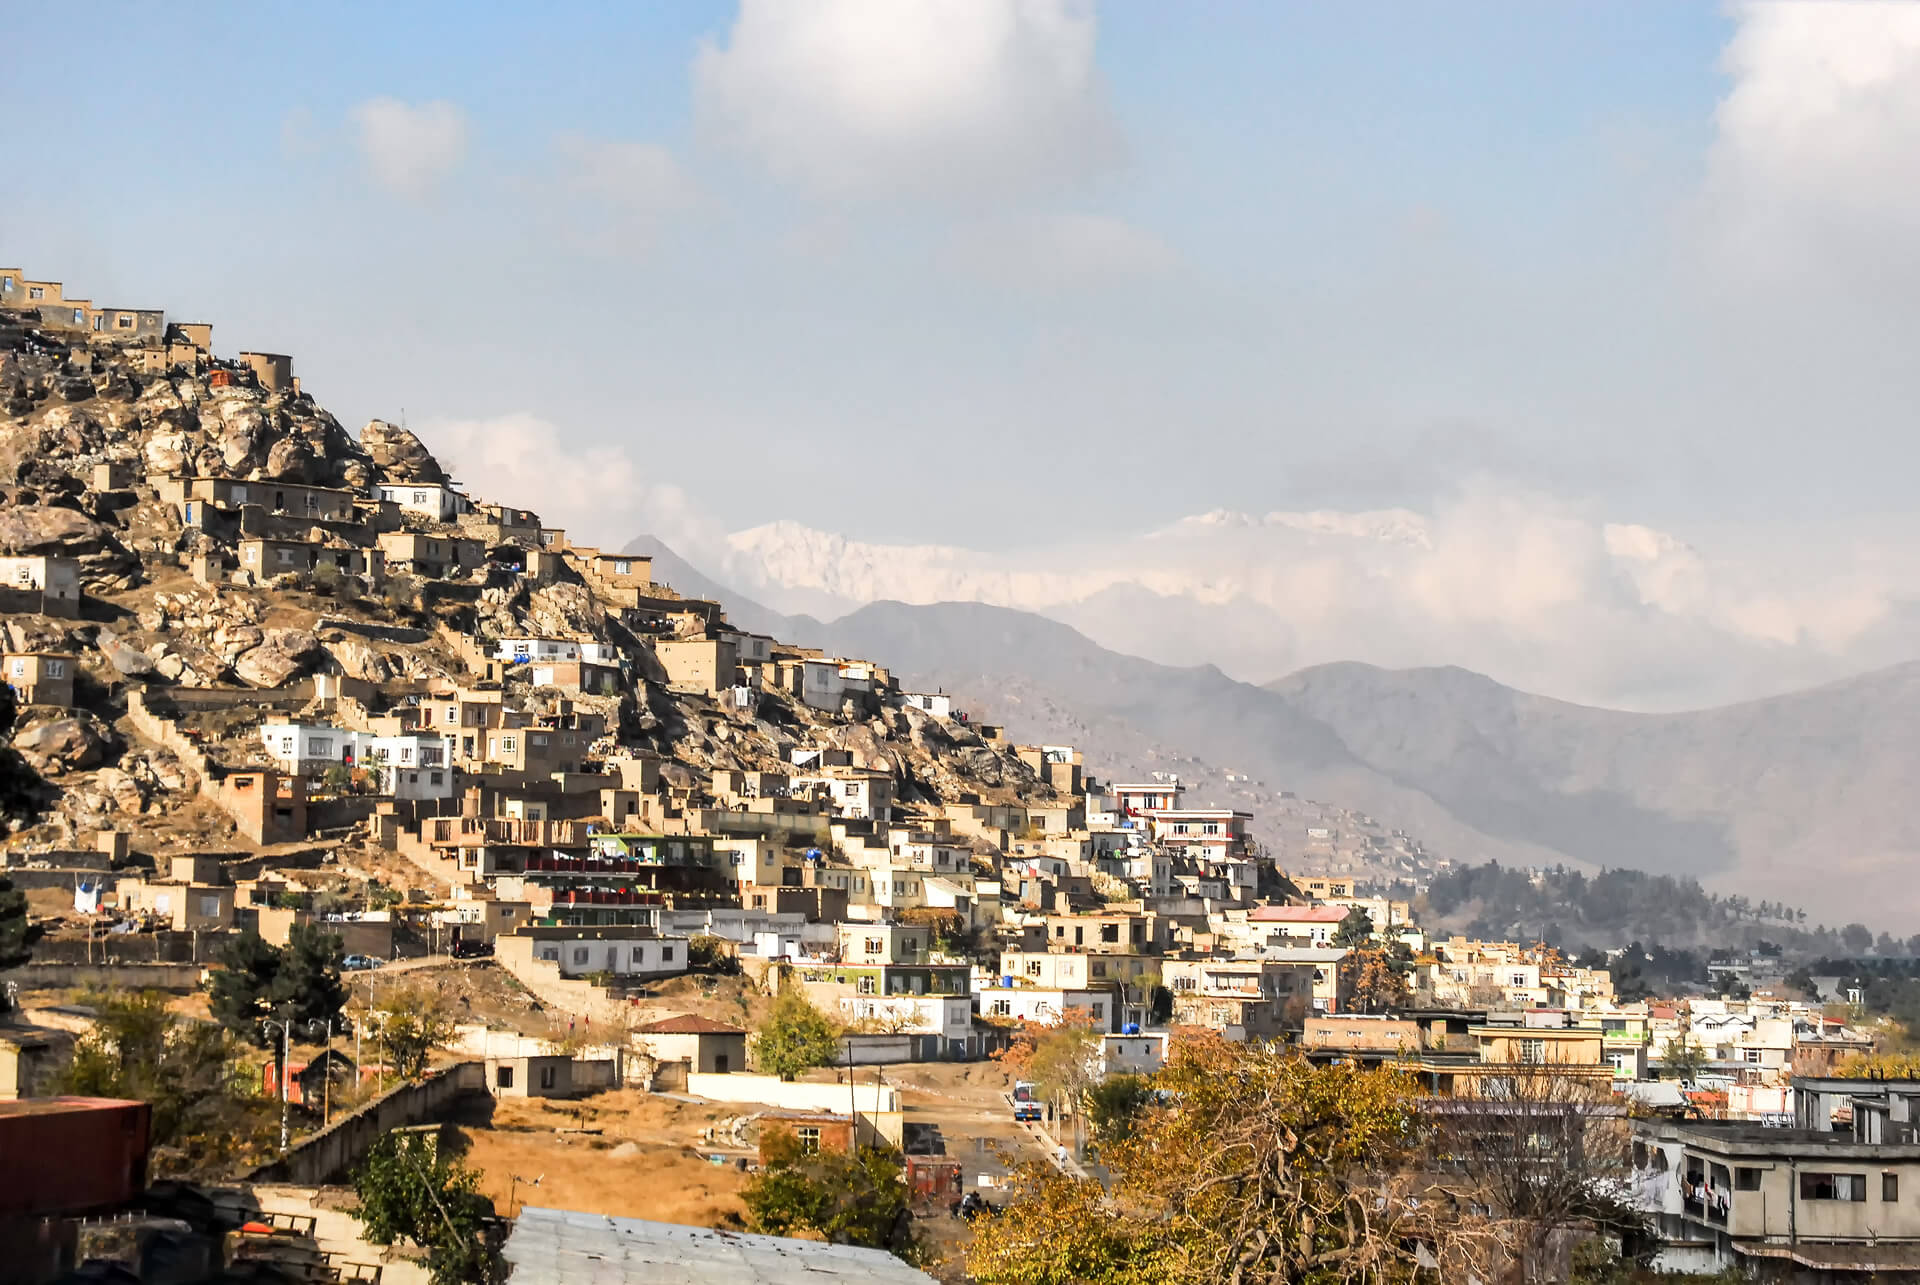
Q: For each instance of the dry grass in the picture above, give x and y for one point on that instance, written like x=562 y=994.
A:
x=642 y=1164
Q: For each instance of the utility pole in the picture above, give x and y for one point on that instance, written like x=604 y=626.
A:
x=326 y=1071
x=286 y=1050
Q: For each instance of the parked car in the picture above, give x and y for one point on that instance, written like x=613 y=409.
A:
x=358 y=963
x=464 y=949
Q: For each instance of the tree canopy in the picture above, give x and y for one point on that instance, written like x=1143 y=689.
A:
x=795 y=1038
x=257 y=981
x=209 y=1115
x=858 y=1199
x=410 y=1191
x=1255 y=1166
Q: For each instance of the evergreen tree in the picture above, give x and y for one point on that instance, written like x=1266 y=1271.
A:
x=242 y=986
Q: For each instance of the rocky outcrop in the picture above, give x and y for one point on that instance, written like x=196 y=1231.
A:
x=28 y=529
x=281 y=656
x=398 y=454
x=62 y=744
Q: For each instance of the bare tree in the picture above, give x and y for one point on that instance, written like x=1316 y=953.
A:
x=1545 y=1150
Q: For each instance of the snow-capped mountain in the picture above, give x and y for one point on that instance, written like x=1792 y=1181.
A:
x=1541 y=594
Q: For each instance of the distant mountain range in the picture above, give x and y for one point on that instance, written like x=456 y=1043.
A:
x=1804 y=797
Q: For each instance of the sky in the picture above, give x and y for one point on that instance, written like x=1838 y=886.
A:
x=1026 y=279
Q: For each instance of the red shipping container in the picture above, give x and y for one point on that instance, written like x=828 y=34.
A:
x=70 y=1155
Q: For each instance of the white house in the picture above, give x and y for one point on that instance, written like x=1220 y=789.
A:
x=430 y=499
x=1045 y=1004
x=411 y=766
x=749 y=649
x=948 y=1016
x=1133 y=1054
x=938 y=704
x=307 y=749
x=635 y=956
x=528 y=650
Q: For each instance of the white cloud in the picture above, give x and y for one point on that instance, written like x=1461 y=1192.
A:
x=411 y=148
x=1536 y=591
x=1815 y=138
x=864 y=98
x=597 y=492
x=1060 y=250
x=632 y=188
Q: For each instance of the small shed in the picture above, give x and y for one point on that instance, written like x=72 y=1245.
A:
x=706 y=1046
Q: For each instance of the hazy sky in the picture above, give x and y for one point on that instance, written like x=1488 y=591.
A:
x=1006 y=275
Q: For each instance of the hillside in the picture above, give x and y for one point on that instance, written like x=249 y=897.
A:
x=226 y=543
x=1800 y=798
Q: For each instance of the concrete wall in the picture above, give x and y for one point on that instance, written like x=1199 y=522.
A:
x=133 y=977
x=332 y=1152
x=796 y=1095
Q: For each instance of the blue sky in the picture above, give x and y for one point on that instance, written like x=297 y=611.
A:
x=950 y=271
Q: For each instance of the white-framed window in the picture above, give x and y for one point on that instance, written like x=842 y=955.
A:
x=36 y=292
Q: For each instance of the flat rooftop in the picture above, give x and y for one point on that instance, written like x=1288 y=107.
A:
x=564 y=1248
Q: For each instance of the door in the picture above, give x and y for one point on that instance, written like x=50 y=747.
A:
x=720 y=1063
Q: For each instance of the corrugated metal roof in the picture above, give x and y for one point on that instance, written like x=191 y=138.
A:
x=568 y=1248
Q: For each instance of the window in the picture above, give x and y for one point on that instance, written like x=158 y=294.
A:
x=1833 y=1186
x=36 y=292
x=503 y=1077
x=98 y=322
x=1033 y=968
x=1003 y=1008
x=1110 y=932
x=1889 y=1187
x=56 y=669
x=580 y=955
x=1099 y=968
x=809 y=1139
x=286 y=557
x=875 y=945
x=1099 y=1010
x=666 y=954
x=506 y=745
x=864 y=986
x=1751 y=1055
x=78 y=316
x=622 y=567
x=436 y=778
x=548 y=1075
x=1530 y=1050
x=1519 y=979
x=124 y=321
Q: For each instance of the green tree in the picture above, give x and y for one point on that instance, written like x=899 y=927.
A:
x=859 y=1199
x=1683 y=1057
x=414 y=1023
x=1114 y=1104
x=1800 y=982
x=242 y=988
x=16 y=934
x=208 y=1112
x=306 y=986
x=409 y=1191
x=1355 y=930
x=796 y=1037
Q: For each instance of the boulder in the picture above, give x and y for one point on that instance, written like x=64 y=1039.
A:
x=29 y=529
x=283 y=654
x=357 y=660
x=121 y=791
x=166 y=453
x=398 y=454
x=129 y=660
x=62 y=742
x=291 y=460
